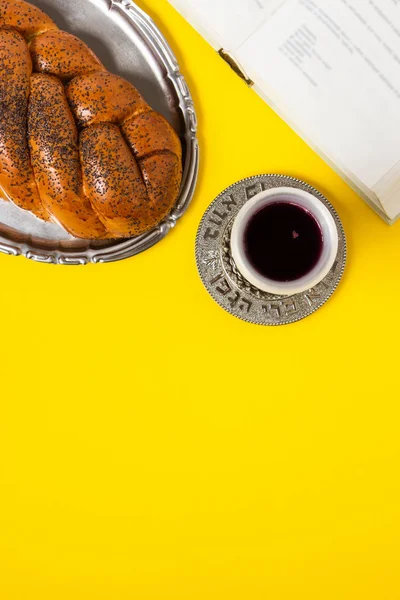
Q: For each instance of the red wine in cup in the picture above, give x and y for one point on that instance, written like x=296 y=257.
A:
x=283 y=241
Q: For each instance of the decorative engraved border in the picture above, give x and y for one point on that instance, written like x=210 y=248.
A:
x=228 y=287
x=128 y=248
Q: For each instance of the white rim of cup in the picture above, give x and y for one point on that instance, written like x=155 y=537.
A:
x=329 y=235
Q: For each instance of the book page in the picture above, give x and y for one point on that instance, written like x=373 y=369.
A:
x=227 y=23
x=333 y=68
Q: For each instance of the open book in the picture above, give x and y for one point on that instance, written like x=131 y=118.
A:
x=331 y=69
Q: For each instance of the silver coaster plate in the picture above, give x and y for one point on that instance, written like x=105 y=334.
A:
x=222 y=279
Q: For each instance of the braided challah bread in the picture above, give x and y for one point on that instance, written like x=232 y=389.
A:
x=78 y=145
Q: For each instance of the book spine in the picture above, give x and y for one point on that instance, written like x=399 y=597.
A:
x=235 y=66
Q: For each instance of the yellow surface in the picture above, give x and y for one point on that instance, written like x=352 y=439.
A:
x=153 y=447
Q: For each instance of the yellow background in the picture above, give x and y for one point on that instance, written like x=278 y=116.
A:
x=154 y=447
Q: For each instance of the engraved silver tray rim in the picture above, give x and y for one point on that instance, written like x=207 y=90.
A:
x=127 y=248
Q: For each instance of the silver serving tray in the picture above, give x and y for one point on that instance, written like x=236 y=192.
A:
x=128 y=43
